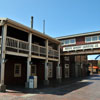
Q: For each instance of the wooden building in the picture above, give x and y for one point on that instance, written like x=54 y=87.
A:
x=26 y=52
x=74 y=51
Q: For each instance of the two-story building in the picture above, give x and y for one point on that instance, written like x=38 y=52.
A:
x=74 y=51
x=26 y=52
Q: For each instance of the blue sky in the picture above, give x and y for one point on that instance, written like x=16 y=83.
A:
x=63 y=17
x=92 y=57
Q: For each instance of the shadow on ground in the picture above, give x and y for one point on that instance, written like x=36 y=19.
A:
x=59 y=90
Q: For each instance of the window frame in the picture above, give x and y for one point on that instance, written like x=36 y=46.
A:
x=64 y=41
x=98 y=39
x=35 y=70
x=94 y=40
x=17 y=74
x=88 y=41
x=50 y=69
x=66 y=68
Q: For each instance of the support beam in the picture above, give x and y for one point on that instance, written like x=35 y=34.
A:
x=3 y=50
x=29 y=60
x=76 y=67
x=46 y=81
x=58 y=68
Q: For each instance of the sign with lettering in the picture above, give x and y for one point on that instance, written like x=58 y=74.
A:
x=81 y=47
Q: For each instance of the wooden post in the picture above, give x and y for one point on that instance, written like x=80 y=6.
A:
x=3 y=51
x=58 y=69
x=46 y=81
x=29 y=60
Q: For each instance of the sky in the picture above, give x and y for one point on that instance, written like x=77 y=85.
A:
x=92 y=57
x=62 y=17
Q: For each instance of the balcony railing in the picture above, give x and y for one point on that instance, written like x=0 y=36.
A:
x=19 y=46
x=52 y=53
x=16 y=45
x=38 y=50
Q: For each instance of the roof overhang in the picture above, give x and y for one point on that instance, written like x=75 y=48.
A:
x=30 y=30
x=78 y=35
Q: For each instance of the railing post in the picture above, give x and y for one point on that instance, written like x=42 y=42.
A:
x=29 y=60
x=3 y=50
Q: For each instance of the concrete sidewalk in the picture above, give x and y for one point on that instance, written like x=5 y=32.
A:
x=78 y=89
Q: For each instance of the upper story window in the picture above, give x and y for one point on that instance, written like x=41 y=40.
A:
x=68 y=42
x=88 y=39
x=92 y=39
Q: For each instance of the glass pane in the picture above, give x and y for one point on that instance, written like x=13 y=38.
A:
x=94 y=38
x=66 y=41
x=99 y=37
x=72 y=41
x=88 y=39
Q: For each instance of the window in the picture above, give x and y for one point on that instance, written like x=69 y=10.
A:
x=68 y=42
x=94 y=38
x=33 y=70
x=88 y=39
x=66 y=70
x=72 y=41
x=66 y=58
x=50 y=69
x=17 y=70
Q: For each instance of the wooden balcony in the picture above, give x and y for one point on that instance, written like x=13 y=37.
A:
x=17 y=46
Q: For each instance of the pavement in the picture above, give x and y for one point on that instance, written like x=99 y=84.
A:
x=82 y=89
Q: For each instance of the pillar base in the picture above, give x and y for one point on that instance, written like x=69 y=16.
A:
x=26 y=84
x=2 y=88
x=46 y=82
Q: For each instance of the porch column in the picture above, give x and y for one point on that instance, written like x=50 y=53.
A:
x=46 y=81
x=29 y=59
x=58 y=68
x=3 y=50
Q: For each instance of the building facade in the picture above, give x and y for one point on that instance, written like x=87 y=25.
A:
x=74 y=51
x=26 y=52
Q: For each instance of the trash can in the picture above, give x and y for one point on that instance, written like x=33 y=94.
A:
x=31 y=82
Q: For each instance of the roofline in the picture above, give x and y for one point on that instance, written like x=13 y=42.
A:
x=40 y=34
x=78 y=35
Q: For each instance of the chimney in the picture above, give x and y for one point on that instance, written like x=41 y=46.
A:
x=32 y=22
x=43 y=26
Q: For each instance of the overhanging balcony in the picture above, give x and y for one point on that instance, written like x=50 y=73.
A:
x=22 y=47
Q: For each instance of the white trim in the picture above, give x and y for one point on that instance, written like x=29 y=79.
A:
x=17 y=74
x=82 y=47
x=92 y=39
x=69 y=42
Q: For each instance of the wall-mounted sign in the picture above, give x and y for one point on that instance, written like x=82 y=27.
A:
x=81 y=47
